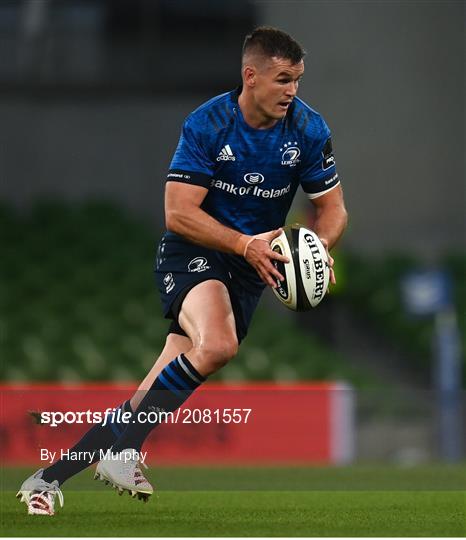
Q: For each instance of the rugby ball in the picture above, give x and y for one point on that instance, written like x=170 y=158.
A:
x=307 y=274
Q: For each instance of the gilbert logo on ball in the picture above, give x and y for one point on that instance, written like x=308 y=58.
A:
x=307 y=274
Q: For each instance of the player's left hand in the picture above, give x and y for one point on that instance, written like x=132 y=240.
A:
x=333 y=280
x=258 y=253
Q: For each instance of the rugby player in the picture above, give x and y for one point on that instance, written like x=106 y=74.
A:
x=239 y=161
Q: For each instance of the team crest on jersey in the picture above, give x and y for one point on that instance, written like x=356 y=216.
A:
x=290 y=153
x=198 y=264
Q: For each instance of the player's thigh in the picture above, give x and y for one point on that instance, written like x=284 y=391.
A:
x=175 y=344
x=207 y=317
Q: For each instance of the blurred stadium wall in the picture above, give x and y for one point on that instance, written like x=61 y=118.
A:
x=92 y=97
x=93 y=94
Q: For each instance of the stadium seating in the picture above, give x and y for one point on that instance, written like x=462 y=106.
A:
x=79 y=303
x=375 y=294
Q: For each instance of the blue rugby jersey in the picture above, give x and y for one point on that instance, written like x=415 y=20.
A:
x=252 y=174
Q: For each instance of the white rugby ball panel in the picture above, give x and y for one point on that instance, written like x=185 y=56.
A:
x=302 y=303
x=307 y=274
x=313 y=264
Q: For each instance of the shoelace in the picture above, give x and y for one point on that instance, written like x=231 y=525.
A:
x=51 y=489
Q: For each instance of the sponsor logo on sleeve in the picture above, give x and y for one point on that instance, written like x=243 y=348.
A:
x=331 y=180
x=328 y=159
x=182 y=176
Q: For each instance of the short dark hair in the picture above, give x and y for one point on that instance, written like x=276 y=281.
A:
x=269 y=42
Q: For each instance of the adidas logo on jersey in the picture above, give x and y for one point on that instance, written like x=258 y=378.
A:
x=226 y=154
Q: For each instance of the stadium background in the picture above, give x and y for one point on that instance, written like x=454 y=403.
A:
x=92 y=97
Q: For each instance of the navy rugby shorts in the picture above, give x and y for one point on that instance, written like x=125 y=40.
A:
x=180 y=265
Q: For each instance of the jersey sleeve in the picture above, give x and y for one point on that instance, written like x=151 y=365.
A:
x=318 y=171
x=190 y=163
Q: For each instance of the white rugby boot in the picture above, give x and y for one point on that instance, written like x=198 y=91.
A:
x=122 y=471
x=39 y=495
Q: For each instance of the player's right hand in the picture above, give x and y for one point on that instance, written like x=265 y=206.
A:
x=259 y=255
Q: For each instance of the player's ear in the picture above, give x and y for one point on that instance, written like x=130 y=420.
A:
x=249 y=75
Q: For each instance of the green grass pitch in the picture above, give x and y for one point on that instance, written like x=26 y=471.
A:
x=294 y=501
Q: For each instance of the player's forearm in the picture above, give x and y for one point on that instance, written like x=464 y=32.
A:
x=330 y=223
x=200 y=228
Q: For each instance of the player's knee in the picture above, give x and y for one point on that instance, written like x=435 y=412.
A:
x=216 y=352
